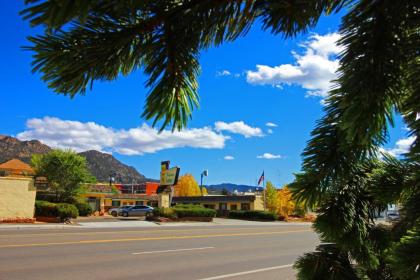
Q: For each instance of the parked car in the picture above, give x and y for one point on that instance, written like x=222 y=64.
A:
x=393 y=217
x=117 y=211
x=138 y=210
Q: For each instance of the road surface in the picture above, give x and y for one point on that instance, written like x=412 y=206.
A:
x=187 y=252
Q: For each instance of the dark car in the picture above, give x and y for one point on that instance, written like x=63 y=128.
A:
x=117 y=211
x=138 y=210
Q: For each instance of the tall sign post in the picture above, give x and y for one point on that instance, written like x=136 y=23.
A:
x=168 y=179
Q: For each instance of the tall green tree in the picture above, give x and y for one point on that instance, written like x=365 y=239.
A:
x=65 y=172
x=379 y=76
x=271 y=197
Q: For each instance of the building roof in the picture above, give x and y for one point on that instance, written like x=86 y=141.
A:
x=133 y=196
x=16 y=165
x=213 y=198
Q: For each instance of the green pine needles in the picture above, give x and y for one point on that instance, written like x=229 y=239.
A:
x=343 y=177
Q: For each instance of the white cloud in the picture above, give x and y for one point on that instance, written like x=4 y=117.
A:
x=223 y=73
x=82 y=136
x=401 y=147
x=229 y=158
x=239 y=127
x=269 y=156
x=270 y=124
x=313 y=70
x=270 y=131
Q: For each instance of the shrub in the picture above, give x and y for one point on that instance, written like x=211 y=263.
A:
x=253 y=215
x=189 y=210
x=83 y=208
x=184 y=210
x=62 y=210
x=164 y=212
x=45 y=209
x=66 y=211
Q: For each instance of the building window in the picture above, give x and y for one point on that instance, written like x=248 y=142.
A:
x=222 y=206
x=116 y=203
x=245 y=206
x=233 y=207
x=139 y=202
x=210 y=206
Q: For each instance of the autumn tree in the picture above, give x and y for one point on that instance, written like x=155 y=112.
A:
x=285 y=203
x=204 y=191
x=271 y=197
x=187 y=186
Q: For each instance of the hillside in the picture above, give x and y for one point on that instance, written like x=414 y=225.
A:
x=100 y=164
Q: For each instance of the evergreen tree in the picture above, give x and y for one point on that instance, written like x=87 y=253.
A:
x=86 y=40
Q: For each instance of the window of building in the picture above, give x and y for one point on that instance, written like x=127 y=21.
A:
x=222 y=206
x=116 y=203
x=245 y=206
x=139 y=202
x=210 y=206
x=233 y=207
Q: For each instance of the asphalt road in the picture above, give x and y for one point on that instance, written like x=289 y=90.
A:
x=216 y=252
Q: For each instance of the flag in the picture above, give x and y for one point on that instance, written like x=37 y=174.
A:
x=261 y=179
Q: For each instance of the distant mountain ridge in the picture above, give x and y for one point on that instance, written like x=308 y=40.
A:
x=232 y=187
x=101 y=165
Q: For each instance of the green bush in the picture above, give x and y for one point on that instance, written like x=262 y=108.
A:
x=164 y=212
x=62 y=210
x=66 y=211
x=184 y=210
x=253 y=215
x=45 y=209
x=190 y=210
x=83 y=208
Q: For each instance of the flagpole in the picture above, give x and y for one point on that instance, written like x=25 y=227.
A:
x=264 y=190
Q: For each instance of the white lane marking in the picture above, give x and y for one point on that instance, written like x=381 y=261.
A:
x=246 y=272
x=174 y=250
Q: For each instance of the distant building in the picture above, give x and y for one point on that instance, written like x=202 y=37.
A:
x=102 y=197
x=17 y=191
x=15 y=167
x=223 y=203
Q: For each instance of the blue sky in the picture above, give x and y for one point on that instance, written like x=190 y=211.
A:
x=228 y=134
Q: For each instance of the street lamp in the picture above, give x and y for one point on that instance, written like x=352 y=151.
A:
x=111 y=178
x=204 y=173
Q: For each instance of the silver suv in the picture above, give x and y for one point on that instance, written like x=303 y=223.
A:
x=117 y=211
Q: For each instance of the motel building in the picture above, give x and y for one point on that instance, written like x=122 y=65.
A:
x=102 y=197
x=223 y=203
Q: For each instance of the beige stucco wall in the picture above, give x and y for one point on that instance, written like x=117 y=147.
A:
x=163 y=200
x=258 y=203
x=17 y=197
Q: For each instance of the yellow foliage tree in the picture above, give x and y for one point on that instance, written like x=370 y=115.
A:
x=285 y=204
x=204 y=191
x=187 y=186
x=271 y=197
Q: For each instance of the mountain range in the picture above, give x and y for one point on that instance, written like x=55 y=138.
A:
x=101 y=165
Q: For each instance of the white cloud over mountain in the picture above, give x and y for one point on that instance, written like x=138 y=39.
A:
x=239 y=127
x=313 y=70
x=82 y=136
